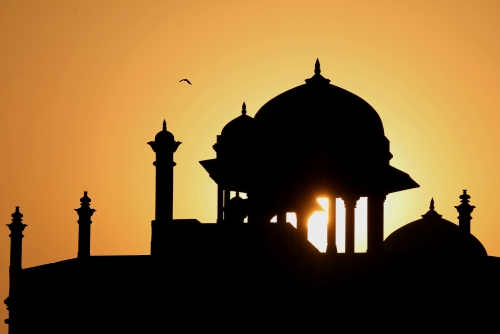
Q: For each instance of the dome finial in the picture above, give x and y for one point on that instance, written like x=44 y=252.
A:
x=317 y=67
x=317 y=78
x=164 y=125
x=244 y=109
x=431 y=214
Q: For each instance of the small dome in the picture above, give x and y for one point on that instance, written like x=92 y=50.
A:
x=239 y=127
x=433 y=234
x=164 y=135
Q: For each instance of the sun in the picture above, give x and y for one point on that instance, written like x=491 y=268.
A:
x=318 y=225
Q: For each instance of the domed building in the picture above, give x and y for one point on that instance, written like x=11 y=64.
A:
x=314 y=140
x=433 y=235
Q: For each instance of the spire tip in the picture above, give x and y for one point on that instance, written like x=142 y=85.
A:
x=244 y=109
x=464 y=197
x=317 y=67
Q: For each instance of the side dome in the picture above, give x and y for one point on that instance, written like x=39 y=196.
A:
x=236 y=138
x=433 y=235
x=239 y=128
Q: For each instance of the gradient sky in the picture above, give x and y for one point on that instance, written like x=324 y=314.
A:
x=84 y=85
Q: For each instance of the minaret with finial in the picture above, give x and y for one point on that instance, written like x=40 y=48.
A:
x=84 y=220
x=164 y=146
x=16 y=254
x=464 y=212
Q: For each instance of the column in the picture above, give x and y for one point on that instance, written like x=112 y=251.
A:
x=350 y=205
x=332 y=226
x=220 y=204
x=376 y=224
x=281 y=217
x=302 y=229
x=227 y=198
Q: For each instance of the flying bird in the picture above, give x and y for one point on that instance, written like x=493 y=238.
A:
x=186 y=81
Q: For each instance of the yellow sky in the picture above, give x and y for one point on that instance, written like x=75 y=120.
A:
x=84 y=85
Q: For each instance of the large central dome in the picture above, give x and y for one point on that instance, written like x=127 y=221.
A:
x=318 y=116
x=320 y=104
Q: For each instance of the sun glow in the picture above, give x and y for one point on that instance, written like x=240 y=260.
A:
x=318 y=225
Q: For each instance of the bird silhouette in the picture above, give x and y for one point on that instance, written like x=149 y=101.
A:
x=185 y=80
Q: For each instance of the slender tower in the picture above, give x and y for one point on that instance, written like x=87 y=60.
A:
x=16 y=254
x=164 y=146
x=464 y=212
x=84 y=221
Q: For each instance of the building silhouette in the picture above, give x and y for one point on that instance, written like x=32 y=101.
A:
x=315 y=140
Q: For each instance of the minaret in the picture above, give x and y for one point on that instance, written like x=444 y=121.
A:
x=464 y=211
x=16 y=253
x=164 y=146
x=84 y=221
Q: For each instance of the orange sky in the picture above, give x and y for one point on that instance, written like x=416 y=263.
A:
x=84 y=85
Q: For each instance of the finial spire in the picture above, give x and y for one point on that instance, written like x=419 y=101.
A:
x=244 y=109
x=17 y=225
x=317 y=78
x=164 y=125
x=464 y=198
x=317 y=67
x=431 y=207
x=85 y=205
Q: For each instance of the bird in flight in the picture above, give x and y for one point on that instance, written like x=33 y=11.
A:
x=185 y=80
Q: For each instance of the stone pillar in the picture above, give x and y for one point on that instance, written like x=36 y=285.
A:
x=220 y=204
x=281 y=217
x=375 y=228
x=302 y=229
x=84 y=221
x=227 y=198
x=464 y=212
x=332 y=226
x=350 y=205
x=16 y=254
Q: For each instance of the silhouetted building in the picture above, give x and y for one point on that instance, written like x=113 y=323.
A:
x=315 y=140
